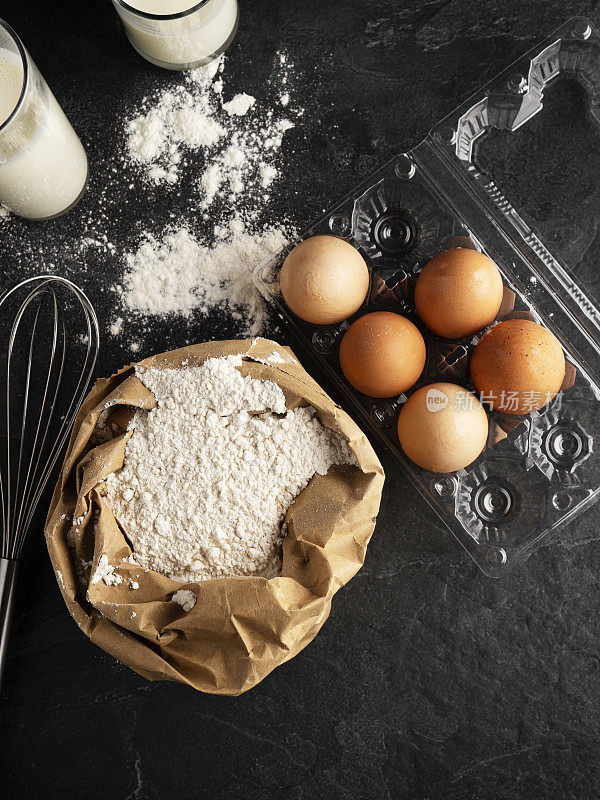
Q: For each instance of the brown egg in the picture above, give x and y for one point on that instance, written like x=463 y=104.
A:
x=442 y=427
x=459 y=293
x=518 y=366
x=324 y=280
x=382 y=354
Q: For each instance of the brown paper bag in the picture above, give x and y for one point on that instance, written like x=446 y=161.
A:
x=240 y=628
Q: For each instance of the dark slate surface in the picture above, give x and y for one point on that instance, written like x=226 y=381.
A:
x=429 y=680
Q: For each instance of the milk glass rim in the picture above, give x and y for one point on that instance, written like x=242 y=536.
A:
x=161 y=17
x=25 y=61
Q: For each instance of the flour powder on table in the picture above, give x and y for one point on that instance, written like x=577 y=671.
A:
x=210 y=473
x=177 y=274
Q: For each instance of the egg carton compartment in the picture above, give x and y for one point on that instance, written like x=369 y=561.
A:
x=537 y=471
x=561 y=440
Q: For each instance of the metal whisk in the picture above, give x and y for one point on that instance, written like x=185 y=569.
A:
x=48 y=347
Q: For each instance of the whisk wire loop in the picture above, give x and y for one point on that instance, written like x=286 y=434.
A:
x=27 y=486
x=23 y=487
x=51 y=350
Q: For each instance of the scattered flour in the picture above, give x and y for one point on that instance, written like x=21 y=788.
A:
x=178 y=275
x=186 y=599
x=212 y=180
x=105 y=572
x=268 y=174
x=240 y=105
x=273 y=358
x=100 y=243
x=212 y=482
x=228 y=149
x=242 y=171
x=182 y=117
x=117 y=327
x=238 y=138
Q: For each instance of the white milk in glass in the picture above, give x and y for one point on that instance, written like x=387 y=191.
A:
x=162 y=7
x=43 y=166
x=11 y=77
x=188 y=41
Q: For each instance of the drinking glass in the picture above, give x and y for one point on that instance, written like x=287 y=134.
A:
x=43 y=166
x=178 y=37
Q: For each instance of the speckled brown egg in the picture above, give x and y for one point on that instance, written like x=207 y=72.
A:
x=324 y=280
x=442 y=427
x=518 y=366
x=382 y=354
x=458 y=293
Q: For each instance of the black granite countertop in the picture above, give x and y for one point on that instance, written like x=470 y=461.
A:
x=429 y=680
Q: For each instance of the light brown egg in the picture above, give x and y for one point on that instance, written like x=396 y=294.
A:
x=458 y=293
x=442 y=427
x=518 y=366
x=382 y=354
x=324 y=280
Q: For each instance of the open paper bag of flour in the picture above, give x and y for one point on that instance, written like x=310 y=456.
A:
x=220 y=635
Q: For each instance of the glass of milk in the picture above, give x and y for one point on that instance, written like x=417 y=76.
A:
x=179 y=34
x=43 y=166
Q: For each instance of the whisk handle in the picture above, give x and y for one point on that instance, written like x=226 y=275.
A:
x=9 y=569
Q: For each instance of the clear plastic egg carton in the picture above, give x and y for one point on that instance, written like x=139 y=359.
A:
x=539 y=471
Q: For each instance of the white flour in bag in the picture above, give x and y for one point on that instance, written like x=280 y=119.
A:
x=185 y=598
x=205 y=485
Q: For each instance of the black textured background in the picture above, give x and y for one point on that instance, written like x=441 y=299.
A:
x=429 y=680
